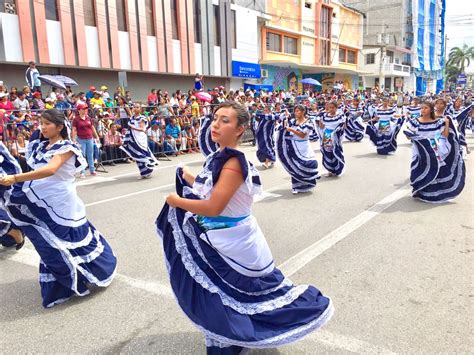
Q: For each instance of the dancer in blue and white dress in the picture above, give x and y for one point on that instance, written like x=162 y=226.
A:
x=355 y=129
x=461 y=117
x=313 y=116
x=437 y=168
x=331 y=129
x=383 y=129
x=265 y=132
x=413 y=111
x=44 y=205
x=135 y=143
x=295 y=152
x=205 y=142
x=221 y=269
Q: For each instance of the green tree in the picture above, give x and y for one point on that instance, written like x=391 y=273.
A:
x=460 y=57
x=452 y=73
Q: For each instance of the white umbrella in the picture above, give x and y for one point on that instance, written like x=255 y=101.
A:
x=52 y=80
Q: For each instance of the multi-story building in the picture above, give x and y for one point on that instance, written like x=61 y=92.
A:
x=400 y=38
x=152 y=43
x=310 y=38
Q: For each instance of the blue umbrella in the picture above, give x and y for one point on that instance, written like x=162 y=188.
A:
x=52 y=80
x=310 y=81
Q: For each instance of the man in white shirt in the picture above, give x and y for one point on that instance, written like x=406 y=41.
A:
x=21 y=103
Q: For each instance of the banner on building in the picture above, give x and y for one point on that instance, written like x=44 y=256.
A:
x=245 y=70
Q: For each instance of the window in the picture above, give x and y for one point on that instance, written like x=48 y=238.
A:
x=51 y=10
x=197 y=21
x=217 y=26
x=324 y=53
x=233 y=28
x=150 y=18
x=351 y=57
x=291 y=45
x=342 y=55
x=273 y=42
x=8 y=6
x=307 y=5
x=390 y=56
x=324 y=25
x=370 y=58
x=174 y=19
x=121 y=23
x=89 y=12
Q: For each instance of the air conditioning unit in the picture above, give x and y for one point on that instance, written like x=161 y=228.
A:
x=263 y=73
x=10 y=8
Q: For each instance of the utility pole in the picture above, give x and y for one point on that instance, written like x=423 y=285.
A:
x=383 y=40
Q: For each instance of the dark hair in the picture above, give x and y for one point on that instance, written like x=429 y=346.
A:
x=57 y=118
x=334 y=103
x=432 y=109
x=243 y=117
x=301 y=107
x=442 y=100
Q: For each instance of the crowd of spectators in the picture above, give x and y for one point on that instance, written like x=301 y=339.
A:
x=99 y=117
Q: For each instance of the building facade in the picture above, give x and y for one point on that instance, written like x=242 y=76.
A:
x=310 y=39
x=157 y=43
x=400 y=37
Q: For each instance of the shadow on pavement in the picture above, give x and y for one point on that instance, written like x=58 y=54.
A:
x=371 y=155
x=410 y=204
x=169 y=343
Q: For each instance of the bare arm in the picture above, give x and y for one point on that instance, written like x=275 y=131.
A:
x=188 y=176
x=74 y=133
x=295 y=132
x=56 y=162
x=229 y=182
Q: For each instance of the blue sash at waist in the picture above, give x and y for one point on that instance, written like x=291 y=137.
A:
x=218 y=222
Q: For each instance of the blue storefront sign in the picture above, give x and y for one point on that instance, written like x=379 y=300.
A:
x=245 y=70
x=462 y=79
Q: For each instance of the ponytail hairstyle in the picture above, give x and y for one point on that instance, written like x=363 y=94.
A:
x=243 y=117
x=301 y=107
x=58 y=119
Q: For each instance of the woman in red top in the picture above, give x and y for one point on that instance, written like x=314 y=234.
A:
x=83 y=133
x=6 y=111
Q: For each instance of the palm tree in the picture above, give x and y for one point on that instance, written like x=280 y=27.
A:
x=452 y=73
x=460 y=57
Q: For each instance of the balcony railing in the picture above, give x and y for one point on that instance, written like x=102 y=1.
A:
x=397 y=68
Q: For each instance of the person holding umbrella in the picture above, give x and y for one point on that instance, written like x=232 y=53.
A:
x=32 y=77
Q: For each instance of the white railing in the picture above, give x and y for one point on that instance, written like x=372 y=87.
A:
x=397 y=68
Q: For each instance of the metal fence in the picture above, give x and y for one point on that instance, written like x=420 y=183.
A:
x=17 y=127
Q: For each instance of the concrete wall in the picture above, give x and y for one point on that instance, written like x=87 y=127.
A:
x=388 y=16
x=138 y=83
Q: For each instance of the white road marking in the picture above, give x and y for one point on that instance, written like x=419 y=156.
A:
x=95 y=180
x=130 y=194
x=265 y=195
x=30 y=257
x=105 y=178
x=298 y=261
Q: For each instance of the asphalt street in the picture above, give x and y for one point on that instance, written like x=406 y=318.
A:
x=399 y=271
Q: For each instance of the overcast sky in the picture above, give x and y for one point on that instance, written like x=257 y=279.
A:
x=459 y=12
